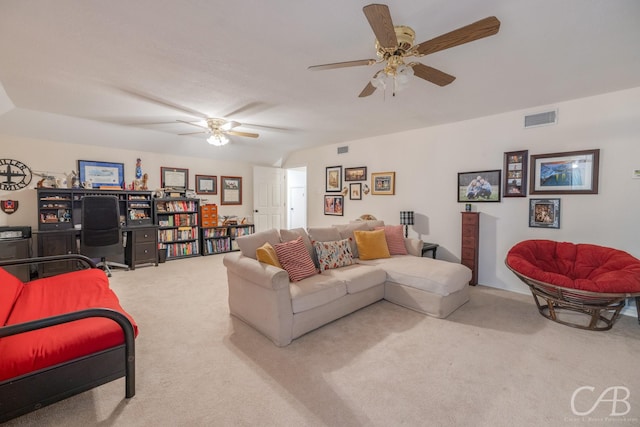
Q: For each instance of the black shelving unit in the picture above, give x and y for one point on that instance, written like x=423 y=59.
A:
x=178 y=230
x=221 y=239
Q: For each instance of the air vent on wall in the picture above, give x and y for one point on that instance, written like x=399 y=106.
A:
x=541 y=119
x=343 y=150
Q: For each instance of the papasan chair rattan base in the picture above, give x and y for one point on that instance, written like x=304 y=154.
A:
x=578 y=285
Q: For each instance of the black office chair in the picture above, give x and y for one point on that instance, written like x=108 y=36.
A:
x=101 y=235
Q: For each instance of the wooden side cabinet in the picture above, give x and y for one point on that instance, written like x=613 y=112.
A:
x=470 y=242
x=142 y=246
x=57 y=243
x=16 y=249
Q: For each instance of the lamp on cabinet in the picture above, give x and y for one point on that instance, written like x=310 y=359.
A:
x=406 y=219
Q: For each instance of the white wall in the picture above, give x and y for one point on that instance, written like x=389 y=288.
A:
x=56 y=157
x=426 y=162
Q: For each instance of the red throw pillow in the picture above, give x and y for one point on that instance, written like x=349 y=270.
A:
x=295 y=259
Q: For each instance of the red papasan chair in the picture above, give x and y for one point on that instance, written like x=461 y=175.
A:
x=569 y=281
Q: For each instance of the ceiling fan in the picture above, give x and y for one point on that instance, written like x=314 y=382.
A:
x=394 y=44
x=218 y=129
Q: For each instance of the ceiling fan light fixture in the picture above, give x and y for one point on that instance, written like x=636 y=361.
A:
x=218 y=140
x=403 y=75
x=379 y=80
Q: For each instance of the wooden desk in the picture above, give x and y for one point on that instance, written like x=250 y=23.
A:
x=141 y=247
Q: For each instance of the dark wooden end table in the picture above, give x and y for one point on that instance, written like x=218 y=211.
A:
x=433 y=247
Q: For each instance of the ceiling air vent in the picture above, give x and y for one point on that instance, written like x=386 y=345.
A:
x=541 y=119
x=343 y=150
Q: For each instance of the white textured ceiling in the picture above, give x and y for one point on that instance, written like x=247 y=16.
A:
x=120 y=73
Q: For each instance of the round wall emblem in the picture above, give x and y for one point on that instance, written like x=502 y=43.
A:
x=14 y=175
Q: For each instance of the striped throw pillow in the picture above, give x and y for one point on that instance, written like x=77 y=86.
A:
x=395 y=239
x=295 y=259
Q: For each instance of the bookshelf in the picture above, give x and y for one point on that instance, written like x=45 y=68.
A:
x=178 y=230
x=215 y=240
x=221 y=239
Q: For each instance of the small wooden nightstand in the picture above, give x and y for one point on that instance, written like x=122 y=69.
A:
x=433 y=247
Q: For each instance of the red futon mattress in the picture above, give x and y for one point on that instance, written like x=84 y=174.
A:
x=78 y=290
x=577 y=266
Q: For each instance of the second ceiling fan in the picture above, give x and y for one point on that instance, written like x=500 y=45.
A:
x=218 y=129
x=394 y=44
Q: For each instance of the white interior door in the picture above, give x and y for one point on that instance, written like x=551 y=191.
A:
x=297 y=207
x=268 y=198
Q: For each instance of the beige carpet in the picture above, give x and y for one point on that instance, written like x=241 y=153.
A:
x=494 y=362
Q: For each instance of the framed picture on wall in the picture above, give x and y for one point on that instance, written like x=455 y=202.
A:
x=480 y=186
x=515 y=173
x=355 y=174
x=355 y=191
x=101 y=174
x=574 y=172
x=206 y=184
x=174 y=178
x=333 y=205
x=544 y=213
x=231 y=187
x=333 y=179
x=383 y=183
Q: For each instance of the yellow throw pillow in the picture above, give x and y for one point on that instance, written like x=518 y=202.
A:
x=267 y=254
x=371 y=244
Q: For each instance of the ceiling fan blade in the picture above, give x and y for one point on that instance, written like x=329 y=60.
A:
x=483 y=28
x=191 y=133
x=431 y=74
x=368 y=90
x=382 y=25
x=342 y=64
x=254 y=107
x=192 y=124
x=229 y=125
x=161 y=102
x=247 y=134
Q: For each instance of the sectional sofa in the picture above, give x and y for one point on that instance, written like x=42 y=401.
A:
x=350 y=270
